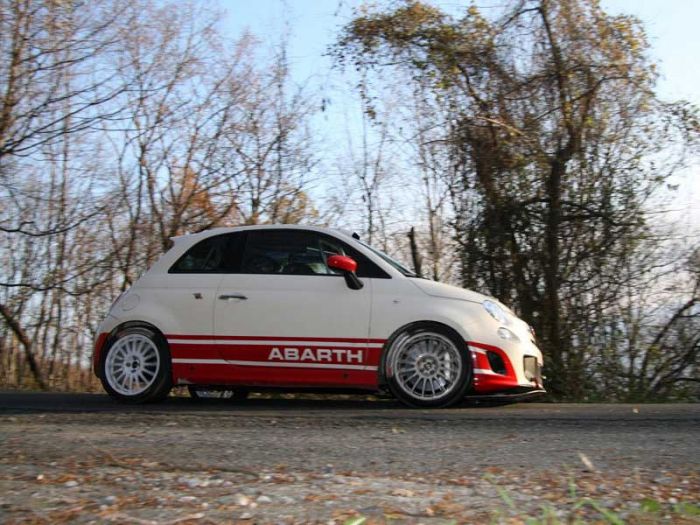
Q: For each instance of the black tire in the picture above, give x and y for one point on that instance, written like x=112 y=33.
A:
x=117 y=364
x=437 y=358
x=203 y=393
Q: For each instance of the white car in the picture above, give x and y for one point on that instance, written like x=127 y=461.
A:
x=291 y=307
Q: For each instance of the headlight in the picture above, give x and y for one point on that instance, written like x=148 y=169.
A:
x=495 y=311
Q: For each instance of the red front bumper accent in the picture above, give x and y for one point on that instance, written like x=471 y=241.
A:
x=486 y=380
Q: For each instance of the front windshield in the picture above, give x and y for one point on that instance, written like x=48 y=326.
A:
x=400 y=267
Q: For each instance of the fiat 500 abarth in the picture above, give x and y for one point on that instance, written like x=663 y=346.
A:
x=289 y=307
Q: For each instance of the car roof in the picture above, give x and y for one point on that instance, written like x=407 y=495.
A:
x=231 y=229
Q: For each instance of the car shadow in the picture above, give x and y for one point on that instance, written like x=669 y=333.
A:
x=22 y=402
x=58 y=402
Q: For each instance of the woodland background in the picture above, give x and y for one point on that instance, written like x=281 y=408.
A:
x=524 y=154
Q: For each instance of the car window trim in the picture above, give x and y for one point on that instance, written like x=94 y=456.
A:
x=234 y=265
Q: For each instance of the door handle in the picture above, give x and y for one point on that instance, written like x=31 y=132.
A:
x=228 y=297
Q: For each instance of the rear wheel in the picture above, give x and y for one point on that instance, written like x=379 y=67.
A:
x=427 y=365
x=136 y=366
x=202 y=393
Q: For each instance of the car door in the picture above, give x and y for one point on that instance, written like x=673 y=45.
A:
x=286 y=319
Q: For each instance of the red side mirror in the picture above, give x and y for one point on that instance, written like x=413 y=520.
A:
x=342 y=263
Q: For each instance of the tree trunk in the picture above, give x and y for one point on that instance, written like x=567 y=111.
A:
x=26 y=343
x=552 y=306
x=415 y=256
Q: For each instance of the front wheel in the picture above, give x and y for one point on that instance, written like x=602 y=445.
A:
x=136 y=366
x=427 y=366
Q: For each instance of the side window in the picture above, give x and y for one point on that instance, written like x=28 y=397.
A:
x=288 y=252
x=218 y=254
x=298 y=252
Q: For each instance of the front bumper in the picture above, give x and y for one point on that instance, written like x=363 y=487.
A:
x=512 y=372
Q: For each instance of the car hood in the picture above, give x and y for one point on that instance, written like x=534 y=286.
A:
x=448 y=291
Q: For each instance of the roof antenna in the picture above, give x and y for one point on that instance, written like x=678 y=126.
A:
x=355 y=236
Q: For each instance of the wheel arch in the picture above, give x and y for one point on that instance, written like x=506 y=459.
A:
x=121 y=326
x=146 y=324
x=137 y=324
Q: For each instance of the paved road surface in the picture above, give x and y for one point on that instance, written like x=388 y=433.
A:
x=358 y=439
x=388 y=436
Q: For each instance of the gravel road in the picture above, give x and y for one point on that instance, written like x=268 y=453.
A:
x=83 y=458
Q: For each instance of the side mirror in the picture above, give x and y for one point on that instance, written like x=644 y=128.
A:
x=348 y=266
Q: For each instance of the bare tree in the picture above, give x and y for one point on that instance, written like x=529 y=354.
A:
x=57 y=81
x=56 y=75
x=268 y=146
x=118 y=135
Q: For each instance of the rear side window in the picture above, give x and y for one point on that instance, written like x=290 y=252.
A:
x=218 y=254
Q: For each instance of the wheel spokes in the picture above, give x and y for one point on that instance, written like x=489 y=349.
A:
x=427 y=366
x=132 y=364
